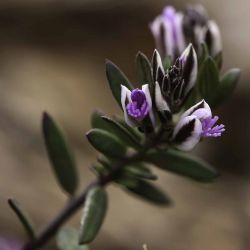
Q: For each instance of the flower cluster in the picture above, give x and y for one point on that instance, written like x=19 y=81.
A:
x=173 y=84
x=173 y=30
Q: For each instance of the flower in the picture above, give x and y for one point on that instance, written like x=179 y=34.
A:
x=9 y=244
x=194 y=124
x=173 y=30
x=173 y=86
x=136 y=105
x=198 y=29
x=168 y=33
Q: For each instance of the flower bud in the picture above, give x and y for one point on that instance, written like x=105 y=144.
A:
x=167 y=30
x=172 y=87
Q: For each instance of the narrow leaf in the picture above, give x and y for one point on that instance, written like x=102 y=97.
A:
x=149 y=192
x=106 y=143
x=208 y=79
x=182 y=164
x=121 y=132
x=93 y=214
x=139 y=171
x=60 y=155
x=23 y=218
x=116 y=78
x=144 y=71
x=67 y=239
x=226 y=87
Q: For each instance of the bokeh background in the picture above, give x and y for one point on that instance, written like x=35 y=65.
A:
x=52 y=56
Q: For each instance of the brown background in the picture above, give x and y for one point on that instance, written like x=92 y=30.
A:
x=52 y=58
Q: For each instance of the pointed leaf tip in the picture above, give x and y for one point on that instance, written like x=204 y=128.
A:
x=23 y=218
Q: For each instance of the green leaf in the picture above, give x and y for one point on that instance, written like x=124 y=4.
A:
x=106 y=143
x=133 y=131
x=208 y=79
x=219 y=60
x=116 y=78
x=139 y=171
x=144 y=70
x=149 y=192
x=93 y=214
x=98 y=122
x=204 y=54
x=60 y=155
x=67 y=239
x=123 y=134
x=226 y=87
x=182 y=164
x=167 y=62
x=23 y=218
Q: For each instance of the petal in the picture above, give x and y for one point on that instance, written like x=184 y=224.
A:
x=199 y=105
x=145 y=89
x=216 y=43
x=160 y=102
x=202 y=113
x=190 y=67
x=125 y=99
x=187 y=133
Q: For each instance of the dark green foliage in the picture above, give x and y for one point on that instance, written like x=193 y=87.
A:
x=148 y=192
x=93 y=214
x=144 y=71
x=106 y=143
x=116 y=78
x=23 y=218
x=182 y=164
x=60 y=155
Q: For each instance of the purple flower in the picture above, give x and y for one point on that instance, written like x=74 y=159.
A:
x=173 y=86
x=136 y=105
x=168 y=33
x=194 y=124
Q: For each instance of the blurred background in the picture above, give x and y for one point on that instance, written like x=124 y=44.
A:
x=52 y=56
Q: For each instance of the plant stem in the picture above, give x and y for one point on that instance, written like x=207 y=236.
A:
x=77 y=202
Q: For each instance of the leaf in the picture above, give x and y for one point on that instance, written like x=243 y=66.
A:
x=139 y=171
x=182 y=164
x=67 y=239
x=167 y=62
x=226 y=87
x=123 y=134
x=60 y=155
x=208 y=79
x=149 y=192
x=133 y=131
x=23 y=218
x=219 y=60
x=116 y=78
x=144 y=70
x=98 y=122
x=204 y=54
x=93 y=214
x=106 y=143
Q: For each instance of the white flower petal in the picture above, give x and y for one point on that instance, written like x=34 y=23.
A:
x=160 y=103
x=145 y=89
x=187 y=133
x=126 y=98
x=216 y=37
x=194 y=72
x=201 y=104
